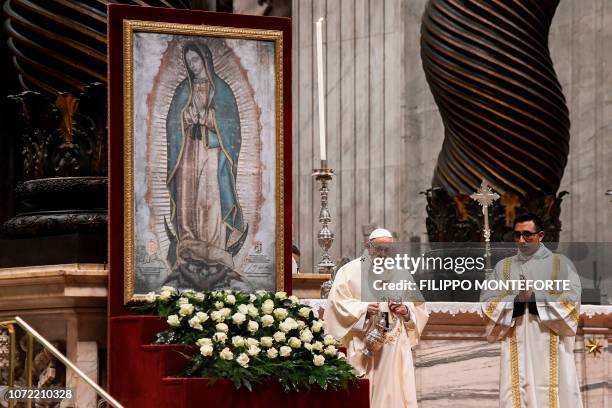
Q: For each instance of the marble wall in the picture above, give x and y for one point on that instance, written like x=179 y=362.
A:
x=456 y=367
x=465 y=372
x=385 y=132
x=581 y=48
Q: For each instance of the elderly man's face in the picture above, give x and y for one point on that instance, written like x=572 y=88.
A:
x=380 y=247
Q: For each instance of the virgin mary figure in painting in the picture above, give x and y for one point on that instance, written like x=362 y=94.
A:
x=204 y=140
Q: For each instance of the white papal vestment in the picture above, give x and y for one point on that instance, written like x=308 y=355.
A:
x=390 y=370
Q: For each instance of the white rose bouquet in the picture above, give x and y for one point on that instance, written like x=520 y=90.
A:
x=250 y=338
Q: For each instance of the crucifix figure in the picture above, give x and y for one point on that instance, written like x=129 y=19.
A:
x=485 y=197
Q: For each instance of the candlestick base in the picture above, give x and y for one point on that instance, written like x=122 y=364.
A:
x=325 y=235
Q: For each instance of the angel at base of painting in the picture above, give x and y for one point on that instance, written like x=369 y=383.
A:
x=206 y=227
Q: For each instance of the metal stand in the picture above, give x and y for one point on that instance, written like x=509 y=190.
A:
x=485 y=197
x=325 y=236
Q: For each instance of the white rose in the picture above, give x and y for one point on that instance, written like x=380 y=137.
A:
x=304 y=312
x=268 y=306
x=230 y=299
x=272 y=353
x=218 y=304
x=317 y=325
x=266 y=341
x=226 y=354
x=222 y=327
x=170 y=289
x=330 y=351
x=206 y=350
x=284 y=327
x=186 y=309
x=261 y=292
x=220 y=337
x=317 y=346
x=318 y=360
x=308 y=346
x=253 y=326
x=280 y=295
x=267 y=320
x=243 y=360
x=199 y=296
x=188 y=292
x=301 y=324
x=194 y=322
x=294 y=299
x=174 y=321
x=150 y=297
x=252 y=342
x=253 y=350
x=252 y=311
x=238 y=341
x=294 y=342
x=182 y=301
x=243 y=309
x=285 y=351
x=167 y=292
x=293 y=324
x=341 y=355
x=204 y=341
x=238 y=318
x=252 y=298
x=280 y=313
x=226 y=312
x=279 y=337
x=202 y=316
x=217 y=316
x=306 y=336
x=329 y=340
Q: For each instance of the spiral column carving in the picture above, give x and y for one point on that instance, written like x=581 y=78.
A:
x=60 y=46
x=489 y=68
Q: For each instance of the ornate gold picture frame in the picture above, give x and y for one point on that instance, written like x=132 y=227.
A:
x=204 y=157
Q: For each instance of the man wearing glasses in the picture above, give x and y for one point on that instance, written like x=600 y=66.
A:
x=349 y=318
x=536 y=328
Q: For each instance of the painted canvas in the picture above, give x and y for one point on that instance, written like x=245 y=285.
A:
x=205 y=141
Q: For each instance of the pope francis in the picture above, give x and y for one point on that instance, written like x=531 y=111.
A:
x=390 y=370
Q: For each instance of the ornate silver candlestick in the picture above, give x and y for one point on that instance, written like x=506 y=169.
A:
x=325 y=236
x=485 y=197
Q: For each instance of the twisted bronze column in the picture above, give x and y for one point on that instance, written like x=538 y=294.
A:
x=58 y=129
x=505 y=117
x=60 y=46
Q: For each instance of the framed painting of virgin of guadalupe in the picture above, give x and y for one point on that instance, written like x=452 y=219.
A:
x=200 y=151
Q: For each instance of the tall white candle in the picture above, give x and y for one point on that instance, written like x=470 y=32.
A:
x=321 y=83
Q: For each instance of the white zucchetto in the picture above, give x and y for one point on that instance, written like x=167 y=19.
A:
x=380 y=233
